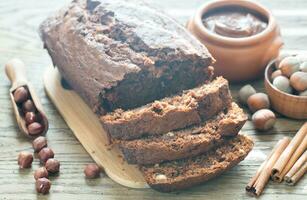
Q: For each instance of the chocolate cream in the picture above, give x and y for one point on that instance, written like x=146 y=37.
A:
x=236 y=24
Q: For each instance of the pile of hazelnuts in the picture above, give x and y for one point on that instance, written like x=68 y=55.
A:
x=35 y=127
x=258 y=103
x=28 y=111
x=50 y=166
x=290 y=75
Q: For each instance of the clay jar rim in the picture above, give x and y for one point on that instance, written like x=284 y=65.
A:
x=268 y=80
x=204 y=33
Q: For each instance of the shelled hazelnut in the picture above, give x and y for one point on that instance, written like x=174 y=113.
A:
x=282 y=55
x=20 y=95
x=294 y=75
x=245 y=92
x=298 y=81
x=30 y=118
x=276 y=74
x=289 y=65
x=28 y=111
x=28 y=106
x=160 y=177
x=92 y=171
x=41 y=173
x=25 y=159
x=45 y=154
x=258 y=101
x=52 y=166
x=39 y=143
x=263 y=119
x=35 y=128
x=282 y=83
x=43 y=185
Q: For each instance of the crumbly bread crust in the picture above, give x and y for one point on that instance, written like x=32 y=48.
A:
x=187 y=142
x=160 y=117
x=109 y=52
x=185 y=173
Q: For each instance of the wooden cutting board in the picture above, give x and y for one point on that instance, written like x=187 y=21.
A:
x=88 y=130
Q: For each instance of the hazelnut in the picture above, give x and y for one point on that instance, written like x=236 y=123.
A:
x=52 y=166
x=92 y=171
x=303 y=94
x=20 y=95
x=282 y=55
x=28 y=106
x=39 y=143
x=43 y=185
x=298 y=81
x=263 y=119
x=275 y=74
x=303 y=67
x=35 y=128
x=25 y=159
x=45 y=154
x=258 y=101
x=245 y=92
x=160 y=177
x=170 y=134
x=282 y=83
x=41 y=173
x=30 y=117
x=289 y=65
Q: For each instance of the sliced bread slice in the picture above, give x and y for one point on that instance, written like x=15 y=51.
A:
x=189 y=108
x=185 y=173
x=184 y=143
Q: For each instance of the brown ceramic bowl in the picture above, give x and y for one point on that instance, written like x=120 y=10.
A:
x=238 y=59
x=292 y=106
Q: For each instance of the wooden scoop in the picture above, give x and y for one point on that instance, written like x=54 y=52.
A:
x=16 y=72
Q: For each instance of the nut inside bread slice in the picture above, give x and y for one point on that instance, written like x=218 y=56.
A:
x=185 y=173
x=187 y=142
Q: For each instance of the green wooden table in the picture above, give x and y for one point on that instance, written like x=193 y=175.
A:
x=19 y=20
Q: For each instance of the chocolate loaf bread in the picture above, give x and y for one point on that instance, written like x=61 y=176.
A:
x=188 y=142
x=123 y=54
x=185 y=173
x=191 y=107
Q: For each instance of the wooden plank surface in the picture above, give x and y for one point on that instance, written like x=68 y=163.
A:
x=88 y=130
x=19 y=20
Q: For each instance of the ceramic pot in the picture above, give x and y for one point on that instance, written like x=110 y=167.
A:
x=238 y=59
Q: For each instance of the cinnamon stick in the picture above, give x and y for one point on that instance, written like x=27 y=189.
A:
x=265 y=173
x=296 y=167
x=298 y=175
x=287 y=154
x=296 y=155
x=256 y=176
